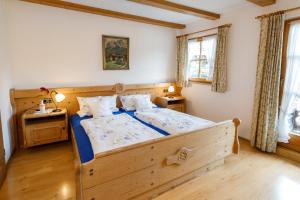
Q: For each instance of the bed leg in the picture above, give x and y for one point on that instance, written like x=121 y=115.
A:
x=236 y=143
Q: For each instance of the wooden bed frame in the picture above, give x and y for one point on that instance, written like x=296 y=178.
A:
x=147 y=169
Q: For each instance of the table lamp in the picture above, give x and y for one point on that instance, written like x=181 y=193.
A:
x=171 y=89
x=59 y=97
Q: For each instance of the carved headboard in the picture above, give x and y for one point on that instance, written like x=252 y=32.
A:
x=23 y=100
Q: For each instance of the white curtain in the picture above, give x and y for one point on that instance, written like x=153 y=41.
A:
x=291 y=85
x=210 y=44
x=193 y=51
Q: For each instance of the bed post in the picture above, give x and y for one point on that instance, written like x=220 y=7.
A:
x=236 y=143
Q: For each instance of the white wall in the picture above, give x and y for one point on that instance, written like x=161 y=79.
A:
x=5 y=82
x=56 y=47
x=242 y=59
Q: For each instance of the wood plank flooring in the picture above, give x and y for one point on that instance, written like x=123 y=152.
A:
x=47 y=173
x=251 y=176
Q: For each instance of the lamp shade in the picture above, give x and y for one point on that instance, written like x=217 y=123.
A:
x=59 y=97
x=171 y=88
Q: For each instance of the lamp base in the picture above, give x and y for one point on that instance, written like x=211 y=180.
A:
x=57 y=110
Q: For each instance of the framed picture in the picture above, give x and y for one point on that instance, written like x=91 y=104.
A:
x=115 y=52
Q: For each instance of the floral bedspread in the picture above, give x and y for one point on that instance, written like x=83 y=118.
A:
x=111 y=132
x=172 y=121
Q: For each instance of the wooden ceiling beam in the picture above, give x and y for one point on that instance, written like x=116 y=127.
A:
x=263 y=2
x=104 y=12
x=167 y=5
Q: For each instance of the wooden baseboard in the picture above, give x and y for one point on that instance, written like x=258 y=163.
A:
x=289 y=154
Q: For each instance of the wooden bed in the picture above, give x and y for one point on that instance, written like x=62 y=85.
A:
x=143 y=170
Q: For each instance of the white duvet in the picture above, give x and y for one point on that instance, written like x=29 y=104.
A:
x=111 y=132
x=172 y=121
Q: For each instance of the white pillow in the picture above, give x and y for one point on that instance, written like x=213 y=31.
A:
x=84 y=104
x=142 y=103
x=100 y=108
x=129 y=101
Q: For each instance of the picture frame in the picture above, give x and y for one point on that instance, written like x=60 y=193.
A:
x=115 y=52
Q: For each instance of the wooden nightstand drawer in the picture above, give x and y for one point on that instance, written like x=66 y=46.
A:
x=177 y=107
x=45 y=133
x=175 y=103
x=44 y=128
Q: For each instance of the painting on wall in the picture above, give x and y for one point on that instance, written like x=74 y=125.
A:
x=115 y=52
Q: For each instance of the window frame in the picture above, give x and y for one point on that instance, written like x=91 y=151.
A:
x=201 y=80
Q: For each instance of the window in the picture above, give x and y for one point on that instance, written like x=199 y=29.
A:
x=293 y=73
x=201 y=58
x=289 y=117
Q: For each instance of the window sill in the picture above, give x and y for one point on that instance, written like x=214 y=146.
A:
x=294 y=142
x=295 y=133
x=200 y=80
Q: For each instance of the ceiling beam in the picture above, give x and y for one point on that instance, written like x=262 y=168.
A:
x=263 y=2
x=104 y=12
x=167 y=5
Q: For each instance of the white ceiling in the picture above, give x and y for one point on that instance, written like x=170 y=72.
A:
x=219 y=6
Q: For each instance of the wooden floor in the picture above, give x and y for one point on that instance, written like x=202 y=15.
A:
x=47 y=173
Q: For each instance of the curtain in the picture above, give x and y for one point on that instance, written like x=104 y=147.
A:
x=193 y=52
x=209 y=43
x=291 y=92
x=265 y=111
x=219 y=82
x=182 y=61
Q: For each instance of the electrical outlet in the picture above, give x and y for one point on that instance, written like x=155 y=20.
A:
x=47 y=100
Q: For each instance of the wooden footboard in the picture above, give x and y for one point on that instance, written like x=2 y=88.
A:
x=145 y=170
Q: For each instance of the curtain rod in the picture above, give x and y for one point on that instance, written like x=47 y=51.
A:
x=228 y=25
x=280 y=11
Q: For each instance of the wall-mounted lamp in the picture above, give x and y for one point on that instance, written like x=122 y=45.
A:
x=171 y=89
x=59 y=97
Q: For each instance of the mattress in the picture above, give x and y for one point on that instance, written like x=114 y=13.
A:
x=172 y=121
x=84 y=145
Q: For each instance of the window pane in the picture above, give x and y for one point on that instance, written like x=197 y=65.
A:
x=194 y=49
x=204 y=69
x=194 y=69
x=208 y=52
x=294 y=36
x=193 y=58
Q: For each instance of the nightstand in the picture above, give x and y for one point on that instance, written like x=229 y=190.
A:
x=175 y=103
x=44 y=128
